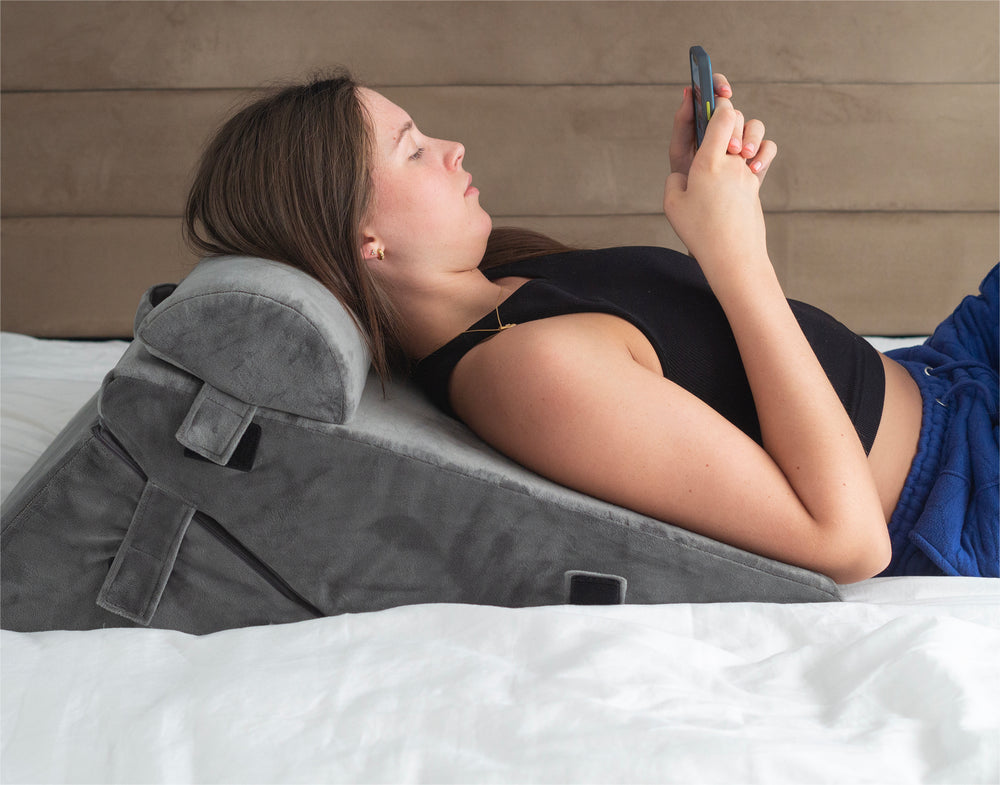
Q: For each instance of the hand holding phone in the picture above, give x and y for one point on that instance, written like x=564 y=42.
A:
x=702 y=91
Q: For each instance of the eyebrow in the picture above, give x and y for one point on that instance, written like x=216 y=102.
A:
x=407 y=127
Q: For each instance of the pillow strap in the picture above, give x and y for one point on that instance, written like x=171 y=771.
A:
x=145 y=559
x=215 y=423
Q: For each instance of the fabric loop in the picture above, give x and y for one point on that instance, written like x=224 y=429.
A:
x=215 y=423
x=145 y=559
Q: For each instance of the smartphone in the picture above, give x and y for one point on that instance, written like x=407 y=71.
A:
x=702 y=91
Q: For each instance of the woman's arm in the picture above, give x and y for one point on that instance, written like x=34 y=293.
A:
x=715 y=209
x=581 y=398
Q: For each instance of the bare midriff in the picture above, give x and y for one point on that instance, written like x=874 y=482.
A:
x=896 y=442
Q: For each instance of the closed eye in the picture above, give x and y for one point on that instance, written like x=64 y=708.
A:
x=416 y=155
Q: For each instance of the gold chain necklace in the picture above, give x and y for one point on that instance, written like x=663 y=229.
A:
x=500 y=325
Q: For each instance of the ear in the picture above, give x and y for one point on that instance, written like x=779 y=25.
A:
x=370 y=247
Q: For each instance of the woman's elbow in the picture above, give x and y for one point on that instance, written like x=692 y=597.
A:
x=862 y=557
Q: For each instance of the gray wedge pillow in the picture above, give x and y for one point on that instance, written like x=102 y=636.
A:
x=264 y=333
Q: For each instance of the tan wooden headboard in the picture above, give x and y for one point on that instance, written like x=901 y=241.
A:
x=882 y=206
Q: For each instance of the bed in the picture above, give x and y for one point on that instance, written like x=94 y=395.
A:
x=898 y=683
x=105 y=108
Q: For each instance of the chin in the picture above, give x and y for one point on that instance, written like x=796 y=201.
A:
x=484 y=237
x=487 y=227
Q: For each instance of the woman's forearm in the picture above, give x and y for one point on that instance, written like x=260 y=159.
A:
x=715 y=209
x=805 y=427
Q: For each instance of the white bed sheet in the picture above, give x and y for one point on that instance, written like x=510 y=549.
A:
x=900 y=683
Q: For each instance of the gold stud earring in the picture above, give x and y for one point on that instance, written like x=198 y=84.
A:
x=381 y=254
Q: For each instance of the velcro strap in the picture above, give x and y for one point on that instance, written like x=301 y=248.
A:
x=215 y=423
x=140 y=569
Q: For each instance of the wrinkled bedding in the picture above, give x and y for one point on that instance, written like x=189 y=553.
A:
x=899 y=683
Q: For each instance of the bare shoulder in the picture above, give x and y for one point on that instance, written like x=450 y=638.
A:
x=543 y=390
x=547 y=354
x=536 y=371
x=564 y=394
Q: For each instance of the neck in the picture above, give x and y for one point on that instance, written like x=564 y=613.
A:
x=436 y=311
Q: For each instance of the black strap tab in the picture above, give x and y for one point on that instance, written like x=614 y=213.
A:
x=592 y=588
x=243 y=456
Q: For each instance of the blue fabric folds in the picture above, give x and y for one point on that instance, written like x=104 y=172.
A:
x=947 y=521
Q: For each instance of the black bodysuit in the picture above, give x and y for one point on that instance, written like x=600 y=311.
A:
x=666 y=296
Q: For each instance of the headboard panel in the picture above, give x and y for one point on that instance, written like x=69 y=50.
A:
x=882 y=206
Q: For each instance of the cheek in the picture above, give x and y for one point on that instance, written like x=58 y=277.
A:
x=406 y=207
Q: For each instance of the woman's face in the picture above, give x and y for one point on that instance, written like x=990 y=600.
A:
x=424 y=205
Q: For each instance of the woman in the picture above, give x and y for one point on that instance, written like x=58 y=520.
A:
x=707 y=406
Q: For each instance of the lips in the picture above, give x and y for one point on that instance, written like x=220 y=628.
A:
x=470 y=189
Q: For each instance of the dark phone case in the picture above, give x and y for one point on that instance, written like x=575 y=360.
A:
x=701 y=86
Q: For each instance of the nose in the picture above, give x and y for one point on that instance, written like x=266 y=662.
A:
x=456 y=154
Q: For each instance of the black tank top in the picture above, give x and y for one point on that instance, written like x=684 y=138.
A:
x=666 y=296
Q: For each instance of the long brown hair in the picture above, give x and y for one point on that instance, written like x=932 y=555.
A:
x=513 y=243
x=289 y=178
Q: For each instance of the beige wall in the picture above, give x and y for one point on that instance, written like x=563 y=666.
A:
x=882 y=206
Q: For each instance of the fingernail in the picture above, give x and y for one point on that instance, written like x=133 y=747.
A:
x=735 y=144
x=756 y=166
x=749 y=149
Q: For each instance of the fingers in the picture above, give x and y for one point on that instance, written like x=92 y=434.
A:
x=682 y=138
x=758 y=151
x=724 y=94
x=685 y=112
x=725 y=129
x=732 y=119
x=745 y=137
x=736 y=141
x=753 y=135
x=759 y=163
x=746 y=142
x=722 y=87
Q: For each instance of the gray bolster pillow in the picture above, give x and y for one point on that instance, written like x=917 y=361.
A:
x=263 y=332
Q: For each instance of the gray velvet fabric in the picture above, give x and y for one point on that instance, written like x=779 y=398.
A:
x=124 y=522
x=265 y=333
